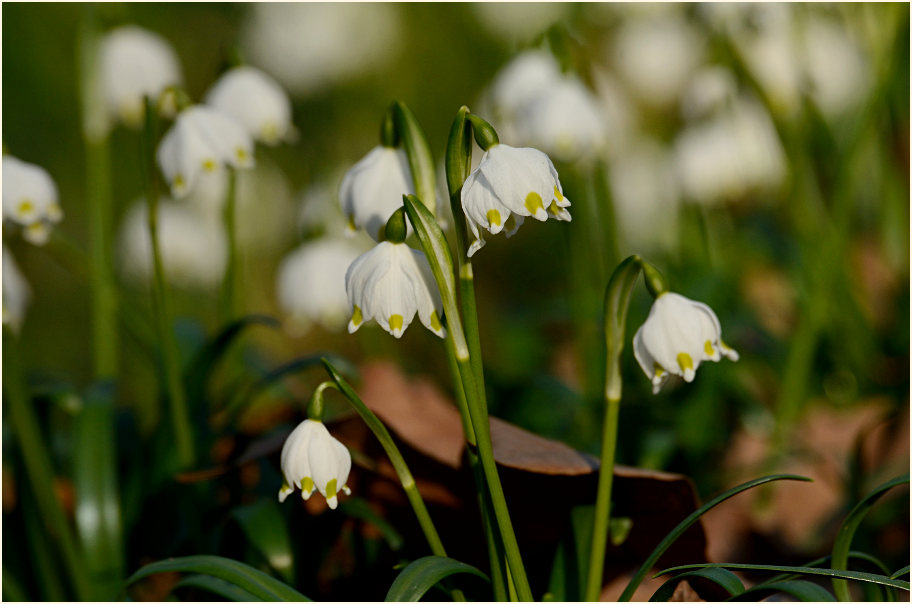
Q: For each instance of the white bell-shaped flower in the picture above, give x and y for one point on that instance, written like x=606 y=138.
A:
x=30 y=199
x=372 y=190
x=565 y=120
x=389 y=284
x=194 y=250
x=201 y=139
x=135 y=63
x=310 y=285
x=256 y=101
x=16 y=293
x=509 y=184
x=677 y=336
x=526 y=77
x=313 y=460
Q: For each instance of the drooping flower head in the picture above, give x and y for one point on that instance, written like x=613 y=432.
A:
x=509 y=184
x=201 y=139
x=389 y=284
x=16 y=293
x=194 y=250
x=30 y=199
x=313 y=460
x=256 y=101
x=311 y=282
x=135 y=63
x=677 y=336
x=372 y=190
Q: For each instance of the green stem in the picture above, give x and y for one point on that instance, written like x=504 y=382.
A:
x=38 y=463
x=395 y=457
x=180 y=418
x=230 y=286
x=98 y=200
x=617 y=301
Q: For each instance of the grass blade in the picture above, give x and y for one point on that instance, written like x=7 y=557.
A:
x=903 y=571
x=725 y=579
x=803 y=591
x=264 y=527
x=690 y=520
x=847 y=532
x=422 y=574
x=800 y=570
x=256 y=582
x=220 y=587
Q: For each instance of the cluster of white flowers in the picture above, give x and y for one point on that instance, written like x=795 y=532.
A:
x=30 y=199
x=534 y=104
x=313 y=460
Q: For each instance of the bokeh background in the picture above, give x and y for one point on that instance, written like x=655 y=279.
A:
x=758 y=154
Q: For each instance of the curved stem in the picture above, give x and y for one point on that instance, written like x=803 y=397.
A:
x=617 y=301
x=176 y=396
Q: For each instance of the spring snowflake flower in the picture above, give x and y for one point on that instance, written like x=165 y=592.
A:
x=30 y=199
x=311 y=282
x=16 y=293
x=677 y=336
x=372 y=190
x=313 y=460
x=256 y=101
x=565 y=120
x=509 y=184
x=201 y=139
x=194 y=250
x=135 y=63
x=389 y=284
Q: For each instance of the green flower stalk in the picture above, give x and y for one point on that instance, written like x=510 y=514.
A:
x=180 y=417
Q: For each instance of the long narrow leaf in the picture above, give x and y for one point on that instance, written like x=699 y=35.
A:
x=848 y=528
x=422 y=574
x=725 y=579
x=265 y=529
x=690 y=520
x=421 y=162
x=219 y=587
x=205 y=359
x=98 y=515
x=799 y=570
x=256 y=582
x=903 y=571
x=803 y=591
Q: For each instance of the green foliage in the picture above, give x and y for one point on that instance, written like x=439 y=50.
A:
x=422 y=574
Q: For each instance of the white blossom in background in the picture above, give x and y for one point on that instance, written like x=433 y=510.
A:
x=194 y=250
x=30 y=199
x=838 y=76
x=16 y=293
x=201 y=139
x=710 y=90
x=617 y=110
x=565 y=121
x=730 y=154
x=645 y=197
x=319 y=212
x=135 y=63
x=312 y=459
x=527 y=76
x=256 y=101
x=310 y=285
x=390 y=283
x=373 y=188
x=656 y=55
x=310 y=46
x=677 y=336
x=509 y=184
x=516 y=22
